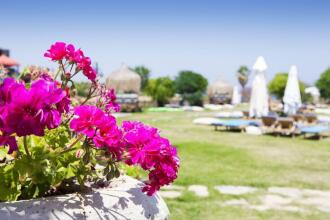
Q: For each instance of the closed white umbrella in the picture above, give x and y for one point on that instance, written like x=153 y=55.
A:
x=236 y=99
x=259 y=94
x=292 y=97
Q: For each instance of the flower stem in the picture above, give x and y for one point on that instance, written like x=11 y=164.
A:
x=68 y=148
x=25 y=147
x=58 y=71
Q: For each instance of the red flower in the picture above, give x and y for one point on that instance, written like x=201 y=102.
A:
x=152 y=152
x=61 y=50
x=57 y=51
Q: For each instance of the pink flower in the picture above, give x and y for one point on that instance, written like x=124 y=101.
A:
x=85 y=65
x=109 y=136
x=152 y=152
x=60 y=51
x=100 y=127
x=110 y=101
x=142 y=143
x=90 y=72
x=33 y=110
x=9 y=141
x=57 y=51
x=87 y=119
x=107 y=99
x=74 y=56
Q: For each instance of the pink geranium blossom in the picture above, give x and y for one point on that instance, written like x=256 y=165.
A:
x=10 y=141
x=60 y=51
x=100 y=127
x=32 y=110
x=87 y=119
x=57 y=51
x=152 y=152
x=110 y=101
x=29 y=111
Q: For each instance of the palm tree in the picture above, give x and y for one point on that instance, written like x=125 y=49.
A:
x=243 y=75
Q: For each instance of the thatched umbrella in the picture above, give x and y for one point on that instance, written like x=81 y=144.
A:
x=124 y=80
x=7 y=61
x=219 y=87
x=220 y=90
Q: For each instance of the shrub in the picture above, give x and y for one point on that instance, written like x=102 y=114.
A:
x=161 y=90
x=191 y=86
x=323 y=84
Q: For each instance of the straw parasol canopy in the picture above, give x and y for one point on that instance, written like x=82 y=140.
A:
x=6 y=61
x=219 y=87
x=124 y=80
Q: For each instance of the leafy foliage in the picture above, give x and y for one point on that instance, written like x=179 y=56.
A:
x=82 y=88
x=243 y=75
x=323 y=84
x=161 y=90
x=144 y=74
x=36 y=175
x=50 y=167
x=191 y=86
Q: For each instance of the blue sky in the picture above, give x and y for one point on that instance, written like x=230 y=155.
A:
x=210 y=37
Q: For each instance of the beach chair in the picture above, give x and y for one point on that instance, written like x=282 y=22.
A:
x=238 y=125
x=311 y=118
x=318 y=131
x=286 y=126
x=298 y=118
x=246 y=114
x=268 y=124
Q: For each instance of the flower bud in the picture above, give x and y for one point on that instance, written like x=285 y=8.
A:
x=80 y=153
x=67 y=75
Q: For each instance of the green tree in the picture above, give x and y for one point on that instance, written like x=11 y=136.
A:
x=161 y=89
x=243 y=75
x=144 y=74
x=323 y=84
x=191 y=86
x=277 y=86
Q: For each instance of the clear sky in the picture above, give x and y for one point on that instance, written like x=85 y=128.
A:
x=210 y=37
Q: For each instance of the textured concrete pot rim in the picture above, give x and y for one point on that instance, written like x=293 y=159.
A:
x=123 y=199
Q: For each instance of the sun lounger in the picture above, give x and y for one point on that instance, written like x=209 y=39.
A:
x=246 y=114
x=316 y=131
x=235 y=124
x=286 y=126
x=235 y=114
x=298 y=118
x=311 y=118
x=164 y=109
x=206 y=121
x=268 y=124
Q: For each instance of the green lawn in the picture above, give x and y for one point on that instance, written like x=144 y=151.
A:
x=213 y=158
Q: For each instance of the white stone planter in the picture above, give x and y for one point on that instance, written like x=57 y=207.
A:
x=123 y=199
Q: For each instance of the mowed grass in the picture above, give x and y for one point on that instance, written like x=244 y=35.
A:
x=214 y=158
